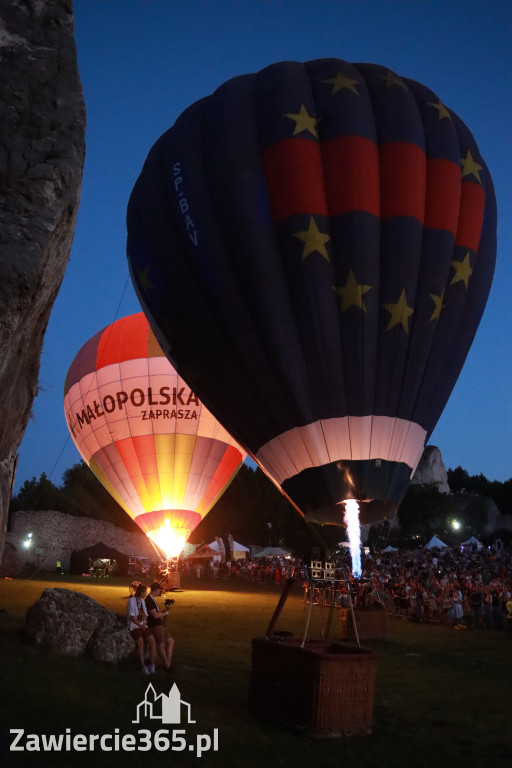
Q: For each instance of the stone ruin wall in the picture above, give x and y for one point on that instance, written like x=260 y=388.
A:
x=56 y=535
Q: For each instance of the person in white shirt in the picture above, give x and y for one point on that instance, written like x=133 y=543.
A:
x=139 y=630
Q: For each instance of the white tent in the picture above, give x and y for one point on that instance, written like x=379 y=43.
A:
x=239 y=551
x=273 y=552
x=473 y=543
x=389 y=548
x=435 y=543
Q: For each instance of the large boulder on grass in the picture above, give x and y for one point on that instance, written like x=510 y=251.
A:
x=72 y=623
x=111 y=644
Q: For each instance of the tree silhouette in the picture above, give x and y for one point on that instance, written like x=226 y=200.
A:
x=254 y=511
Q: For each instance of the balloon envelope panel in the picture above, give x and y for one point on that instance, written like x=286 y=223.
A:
x=145 y=434
x=314 y=245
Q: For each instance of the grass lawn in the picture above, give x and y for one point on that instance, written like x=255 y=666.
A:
x=443 y=698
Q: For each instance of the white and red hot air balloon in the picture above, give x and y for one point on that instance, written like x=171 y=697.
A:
x=145 y=434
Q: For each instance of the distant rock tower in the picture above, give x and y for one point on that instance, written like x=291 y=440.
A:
x=431 y=470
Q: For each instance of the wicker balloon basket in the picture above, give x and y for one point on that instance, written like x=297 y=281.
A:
x=371 y=624
x=325 y=689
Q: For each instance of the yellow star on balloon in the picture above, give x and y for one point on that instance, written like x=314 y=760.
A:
x=443 y=112
x=352 y=293
x=470 y=166
x=400 y=313
x=313 y=240
x=392 y=79
x=438 y=306
x=144 y=279
x=463 y=271
x=341 y=81
x=303 y=122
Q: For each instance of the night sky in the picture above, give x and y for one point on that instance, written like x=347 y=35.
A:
x=142 y=62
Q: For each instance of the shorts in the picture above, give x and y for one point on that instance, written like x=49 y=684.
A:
x=160 y=633
x=138 y=632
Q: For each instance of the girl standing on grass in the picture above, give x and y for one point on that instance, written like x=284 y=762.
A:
x=139 y=630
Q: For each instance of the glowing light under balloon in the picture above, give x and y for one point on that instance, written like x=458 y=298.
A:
x=170 y=540
x=351 y=518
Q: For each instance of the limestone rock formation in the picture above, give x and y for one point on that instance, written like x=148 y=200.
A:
x=42 y=146
x=72 y=623
x=431 y=470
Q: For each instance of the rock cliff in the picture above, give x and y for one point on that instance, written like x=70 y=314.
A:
x=42 y=146
x=431 y=470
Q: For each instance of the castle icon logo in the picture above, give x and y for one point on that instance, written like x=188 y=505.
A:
x=167 y=708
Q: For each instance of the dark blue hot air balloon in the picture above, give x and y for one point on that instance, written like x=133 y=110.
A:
x=314 y=245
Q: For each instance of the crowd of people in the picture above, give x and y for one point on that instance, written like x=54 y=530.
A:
x=459 y=586
x=272 y=570
x=463 y=586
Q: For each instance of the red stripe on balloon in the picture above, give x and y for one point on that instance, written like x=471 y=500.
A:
x=471 y=217
x=84 y=363
x=126 y=450
x=402 y=182
x=443 y=195
x=139 y=457
x=126 y=339
x=293 y=173
x=351 y=172
x=228 y=464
